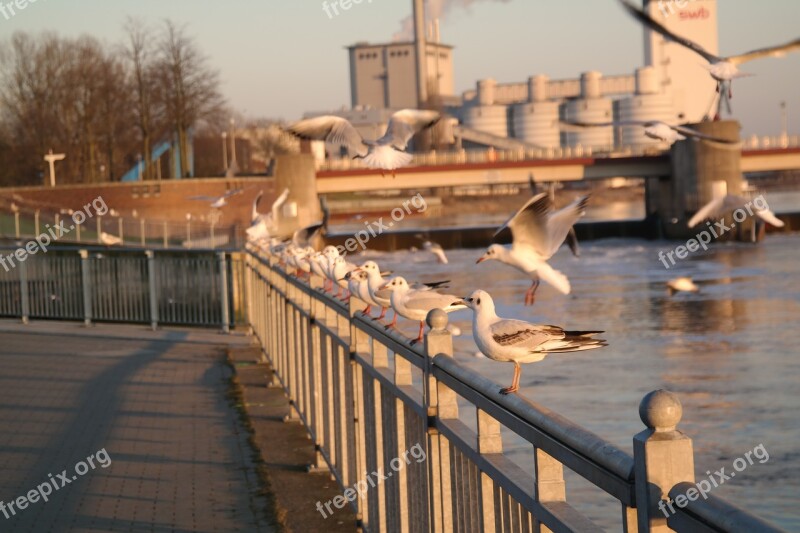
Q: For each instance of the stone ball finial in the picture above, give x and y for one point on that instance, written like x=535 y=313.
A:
x=437 y=319
x=661 y=410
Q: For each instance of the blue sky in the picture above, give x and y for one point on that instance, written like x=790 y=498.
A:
x=279 y=58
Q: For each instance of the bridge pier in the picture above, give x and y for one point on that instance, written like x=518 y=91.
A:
x=701 y=171
x=297 y=173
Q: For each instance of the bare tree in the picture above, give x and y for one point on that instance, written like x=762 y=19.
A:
x=140 y=55
x=190 y=89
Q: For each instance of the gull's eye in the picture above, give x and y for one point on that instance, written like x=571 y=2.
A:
x=478 y=302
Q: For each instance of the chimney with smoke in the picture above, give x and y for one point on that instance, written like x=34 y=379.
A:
x=420 y=47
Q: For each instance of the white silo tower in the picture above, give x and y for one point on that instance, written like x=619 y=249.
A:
x=590 y=107
x=487 y=116
x=648 y=103
x=536 y=121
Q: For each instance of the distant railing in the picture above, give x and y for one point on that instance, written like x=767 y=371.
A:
x=119 y=231
x=188 y=288
x=366 y=397
x=436 y=158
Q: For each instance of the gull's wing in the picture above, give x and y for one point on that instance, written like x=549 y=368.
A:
x=572 y=242
x=689 y=132
x=579 y=124
x=302 y=236
x=772 y=51
x=520 y=334
x=555 y=278
x=276 y=205
x=711 y=210
x=427 y=300
x=560 y=223
x=405 y=124
x=645 y=19
x=256 y=201
x=332 y=129
x=768 y=216
x=529 y=225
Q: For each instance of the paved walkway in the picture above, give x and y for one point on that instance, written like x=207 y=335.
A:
x=155 y=402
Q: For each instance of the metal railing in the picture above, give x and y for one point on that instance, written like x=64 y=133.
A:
x=366 y=397
x=177 y=287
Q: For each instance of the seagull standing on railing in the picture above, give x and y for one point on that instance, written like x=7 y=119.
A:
x=339 y=270
x=375 y=281
x=387 y=153
x=537 y=233
x=414 y=304
x=516 y=341
x=722 y=69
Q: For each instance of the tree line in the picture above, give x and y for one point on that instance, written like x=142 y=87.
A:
x=104 y=106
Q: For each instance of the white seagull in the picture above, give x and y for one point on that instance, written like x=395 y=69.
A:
x=217 y=202
x=436 y=249
x=682 y=284
x=537 y=233
x=414 y=304
x=717 y=208
x=516 y=341
x=387 y=153
x=655 y=129
x=266 y=225
x=375 y=281
x=723 y=69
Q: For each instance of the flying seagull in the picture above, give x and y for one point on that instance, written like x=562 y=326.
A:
x=717 y=208
x=537 y=233
x=656 y=129
x=264 y=226
x=217 y=202
x=516 y=341
x=723 y=69
x=386 y=153
x=572 y=237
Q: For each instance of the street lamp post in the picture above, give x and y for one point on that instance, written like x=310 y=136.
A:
x=225 y=151
x=784 y=126
x=233 y=145
x=51 y=159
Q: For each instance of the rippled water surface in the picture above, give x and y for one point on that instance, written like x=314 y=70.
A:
x=731 y=352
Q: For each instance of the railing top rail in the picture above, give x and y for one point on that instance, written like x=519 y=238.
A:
x=711 y=513
x=595 y=459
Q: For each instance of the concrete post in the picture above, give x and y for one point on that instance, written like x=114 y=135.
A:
x=223 y=281
x=16 y=224
x=151 y=281
x=86 y=287
x=663 y=457
x=696 y=165
x=298 y=174
x=142 y=232
x=166 y=237
x=99 y=230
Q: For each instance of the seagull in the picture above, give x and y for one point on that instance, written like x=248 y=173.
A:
x=682 y=284
x=338 y=270
x=387 y=153
x=719 y=206
x=109 y=240
x=516 y=341
x=572 y=237
x=436 y=249
x=264 y=226
x=723 y=69
x=414 y=304
x=217 y=202
x=375 y=281
x=656 y=129
x=537 y=233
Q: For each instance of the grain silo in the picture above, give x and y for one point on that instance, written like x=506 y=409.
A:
x=484 y=115
x=590 y=107
x=648 y=103
x=536 y=121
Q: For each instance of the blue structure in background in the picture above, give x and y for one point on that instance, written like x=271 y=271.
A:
x=159 y=150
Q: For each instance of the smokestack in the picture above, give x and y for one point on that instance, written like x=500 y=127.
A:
x=421 y=52
x=436 y=31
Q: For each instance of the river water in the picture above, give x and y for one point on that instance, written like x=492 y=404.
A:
x=731 y=352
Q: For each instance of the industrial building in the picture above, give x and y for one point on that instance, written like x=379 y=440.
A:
x=672 y=86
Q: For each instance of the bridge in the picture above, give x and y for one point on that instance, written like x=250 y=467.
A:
x=449 y=169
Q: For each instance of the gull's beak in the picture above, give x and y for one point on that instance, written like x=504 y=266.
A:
x=462 y=301
x=387 y=273
x=383 y=287
x=481 y=259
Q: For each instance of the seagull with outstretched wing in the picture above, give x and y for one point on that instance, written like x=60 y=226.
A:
x=264 y=226
x=537 y=232
x=656 y=129
x=722 y=68
x=718 y=207
x=387 y=153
